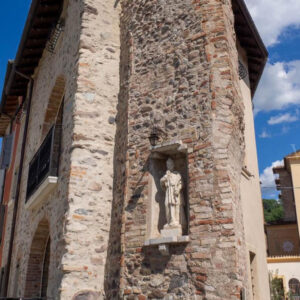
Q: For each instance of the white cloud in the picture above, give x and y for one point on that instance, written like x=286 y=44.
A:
x=282 y=118
x=279 y=86
x=264 y=134
x=273 y=16
x=267 y=178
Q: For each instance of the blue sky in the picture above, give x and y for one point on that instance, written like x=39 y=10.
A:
x=12 y=20
x=277 y=101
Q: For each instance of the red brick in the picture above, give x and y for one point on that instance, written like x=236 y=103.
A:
x=201 y=277
x=127 y=292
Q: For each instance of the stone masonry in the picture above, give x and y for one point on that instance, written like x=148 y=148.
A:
x=179 y=68
x=78 y=210
x=118 y=68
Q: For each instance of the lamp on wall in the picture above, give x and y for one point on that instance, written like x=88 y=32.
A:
x=154 y=136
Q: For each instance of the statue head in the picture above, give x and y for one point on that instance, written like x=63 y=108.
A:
x=170 y=164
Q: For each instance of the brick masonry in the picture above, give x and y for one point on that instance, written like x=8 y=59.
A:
x=287 y=195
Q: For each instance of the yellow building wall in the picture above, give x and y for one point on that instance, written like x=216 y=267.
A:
x=252 y=202
x=295 y=171
x=286 y=270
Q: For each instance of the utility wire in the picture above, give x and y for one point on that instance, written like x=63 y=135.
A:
x=281 y=187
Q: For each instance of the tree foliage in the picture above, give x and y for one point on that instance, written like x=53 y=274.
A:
x=276 y=287
x=273 y=210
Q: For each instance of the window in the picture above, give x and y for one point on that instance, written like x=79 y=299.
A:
x=243 y=72
x=253 y=271
x=45 y=161
x=294 y=288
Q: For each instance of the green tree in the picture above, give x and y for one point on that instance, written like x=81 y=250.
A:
x=273 y=210
x=276 y=287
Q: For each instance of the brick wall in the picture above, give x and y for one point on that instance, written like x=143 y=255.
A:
x=287 y=195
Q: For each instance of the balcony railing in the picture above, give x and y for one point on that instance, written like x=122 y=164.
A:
x=45 y=162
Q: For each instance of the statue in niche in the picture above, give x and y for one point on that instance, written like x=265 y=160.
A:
x=172 y=184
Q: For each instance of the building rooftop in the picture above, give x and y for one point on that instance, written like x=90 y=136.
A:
x=287 y=162
x=42 y=17
x=251 y=41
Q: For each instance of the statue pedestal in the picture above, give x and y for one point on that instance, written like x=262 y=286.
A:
x=171 y=231
x=164 y=243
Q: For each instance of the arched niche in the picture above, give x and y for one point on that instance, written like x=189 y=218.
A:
x=38 y=263
x=54 y=104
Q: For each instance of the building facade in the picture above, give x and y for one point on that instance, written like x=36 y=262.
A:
x=108 y=93
x=283 y=240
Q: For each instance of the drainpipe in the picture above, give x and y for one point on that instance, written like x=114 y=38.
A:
x=16 y=204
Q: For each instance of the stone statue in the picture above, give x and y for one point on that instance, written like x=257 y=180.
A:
x=172 y=184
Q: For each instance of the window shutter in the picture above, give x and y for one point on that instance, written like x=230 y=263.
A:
x=2 y=177
x=7 y=149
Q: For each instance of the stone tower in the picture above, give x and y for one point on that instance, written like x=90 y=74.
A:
x=133 y=85
x=179 y=75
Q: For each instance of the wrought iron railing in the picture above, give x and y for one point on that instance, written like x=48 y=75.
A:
x=45 y=162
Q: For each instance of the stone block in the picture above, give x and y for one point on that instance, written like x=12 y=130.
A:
x=171 y=232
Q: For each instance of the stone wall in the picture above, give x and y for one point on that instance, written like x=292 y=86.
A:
x=78 y=209
x=112 y=270
x=63 y=63
x=183 y=76
x=92 y=153
x=178 y=68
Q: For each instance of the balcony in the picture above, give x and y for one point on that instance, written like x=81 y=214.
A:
x=43 y=168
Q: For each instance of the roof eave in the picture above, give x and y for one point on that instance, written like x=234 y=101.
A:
x=18 y=72
x=260 y=53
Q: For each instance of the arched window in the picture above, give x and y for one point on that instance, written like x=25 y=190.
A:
x=294 y=287
x=38 y=264
x=54 y=104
